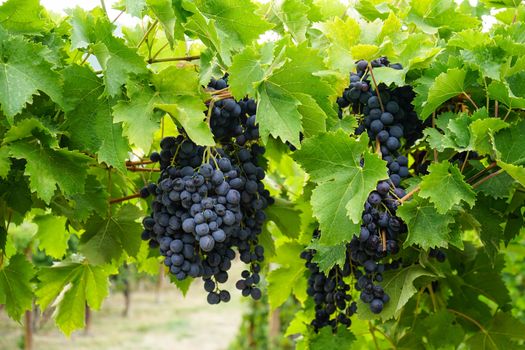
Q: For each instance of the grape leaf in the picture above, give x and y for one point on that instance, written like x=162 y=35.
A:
x=399 y=285
x=5 y=162
x=184 y=285
x=482 y=131
x=342 y=34
x=137 y=115
x=277 y=114
x=24 y=63
x=328 y=257
x=16 y=291
x=325 y=339
x=491 y=220
x=94 y=199
x=293 y=14
x=500 y=91
x=426 y=226
x=288 y=276
x=510 y=144
x=163 y=10
x=45 y=175
x=389 y=76
x=23 y=16
x=92 y=128
x=71 y=285
x=284 y=214
x=106 y=238
x=313 y=116
x=180 y=95
x=52 y=235
x=333 y=162
x=445 y=86
x=237 y=22
x=246 y=69
x=278 y=94
x=445 y=186
x=499 y=333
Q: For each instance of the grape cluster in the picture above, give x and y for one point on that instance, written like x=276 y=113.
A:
x=209 y=202
x=388 y=119
x=230 y=118
x=333 y=303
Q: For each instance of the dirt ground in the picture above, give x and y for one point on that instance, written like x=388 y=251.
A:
x=171 y=322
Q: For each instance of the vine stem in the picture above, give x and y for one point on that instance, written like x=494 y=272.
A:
x=465 y=162
x=172 y=59
x=139 y=162
x=122 y=199
x=468 y=318
x=409 y=194
x=146 y=170
x=470 y=100
x=434 y=126
x=148 y=31
x=432 y=296
x=375 y=85
x=372 y=332
x=386 y=337
x=490 y=166
x=488 y=177
x=378 y=147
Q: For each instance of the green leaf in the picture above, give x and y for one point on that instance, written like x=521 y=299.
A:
x=5 y=162
x=23 y=16
x=71 y=285
x=237 y=22
x=287 y=278
x=118 y=61
x=491 y=224
x=293 y=14
x=281 y=92
x=24 y=63
x=106 y=239
x=45 y=175
x=314 y=118
x=52 y=235
x=287 y=218
x=500 y=333
x=183 y=286
x=180 y=95
x=390 y=76
x=445 y=186
x=16 y=291
x=445 y=86
x=426 y=226
x=277 y=114
x=163 y=10
x=482 y=131
x=325 y=339
x=399 y=285
x=137 y=115
x=333 y=162
x=92 y=128
x=95 y=199
x=188 y=112
x=245 y=70
x=343 y=35
x=510 y=144
x=328 y=257
x=500 y=91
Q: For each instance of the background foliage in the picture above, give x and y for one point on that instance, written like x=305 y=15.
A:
x=81 y=98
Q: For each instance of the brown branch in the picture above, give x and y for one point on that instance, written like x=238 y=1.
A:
x=173 y=59
x=409 y=194
x=139 y=162
x=146 y=170
x=470 y=100
x=375 y=84
x=126 y=198
x=383 y=239
x=486 y=178
x=378 y=147
x=490 y=166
